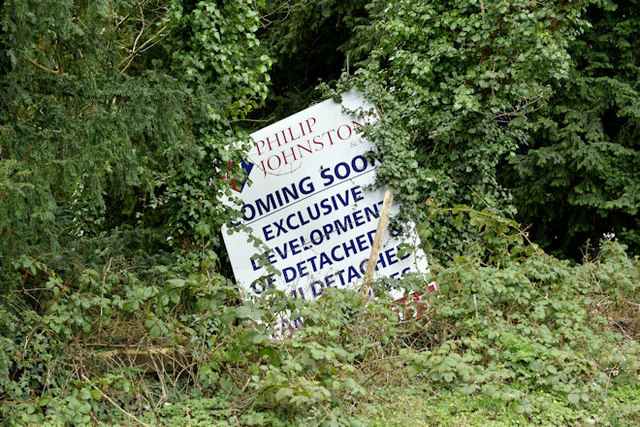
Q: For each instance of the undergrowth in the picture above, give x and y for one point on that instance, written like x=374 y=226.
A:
x=512 y=335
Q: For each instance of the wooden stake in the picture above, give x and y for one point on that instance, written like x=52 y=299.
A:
x=383 y=222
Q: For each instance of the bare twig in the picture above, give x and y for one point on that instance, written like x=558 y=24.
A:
x=127 y=61
x=252 y=120
x=118 y=407
x=482 y=198
x=484 y=15
x=475 y=304
x=43 y=68
x=142 y=28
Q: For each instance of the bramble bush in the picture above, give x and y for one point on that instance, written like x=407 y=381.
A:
x=180 y=345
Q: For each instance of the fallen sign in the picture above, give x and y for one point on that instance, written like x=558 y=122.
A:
x=309 y=202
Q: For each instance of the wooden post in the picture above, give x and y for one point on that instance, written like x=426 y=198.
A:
x=383 y=222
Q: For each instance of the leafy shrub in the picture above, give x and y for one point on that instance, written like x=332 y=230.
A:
x=508 y=322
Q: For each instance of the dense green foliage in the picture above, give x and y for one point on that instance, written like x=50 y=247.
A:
x=520 y=107
x=309 y=41
x=455 y=88
x=516 y=333
x=116 y=120
x=121 y=119
x=525 y=108
x=578 y=178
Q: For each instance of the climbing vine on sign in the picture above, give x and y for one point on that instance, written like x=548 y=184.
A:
x=457 y=83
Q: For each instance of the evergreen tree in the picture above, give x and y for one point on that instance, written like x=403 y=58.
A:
x=116 y=120
x=579 y=178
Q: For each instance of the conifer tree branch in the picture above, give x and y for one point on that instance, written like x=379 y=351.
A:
x=43 y=68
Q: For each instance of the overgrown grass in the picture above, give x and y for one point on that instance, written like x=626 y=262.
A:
x=422 y=405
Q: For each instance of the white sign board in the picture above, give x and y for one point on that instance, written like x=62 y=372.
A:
x=307 y=202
